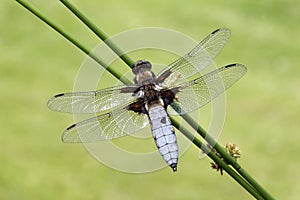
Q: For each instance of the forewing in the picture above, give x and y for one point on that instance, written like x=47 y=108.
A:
x=197 y=59
x=107 y=126
x=200 y=91
x=93 y=101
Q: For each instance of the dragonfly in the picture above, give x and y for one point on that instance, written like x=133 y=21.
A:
x=125 y=109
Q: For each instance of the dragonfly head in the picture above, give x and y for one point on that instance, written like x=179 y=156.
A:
x=141 y=65
x=142 y=71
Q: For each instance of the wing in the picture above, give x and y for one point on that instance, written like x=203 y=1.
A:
x=107 y=126
x=200 y=91
x=196 y=60
x=93 y=101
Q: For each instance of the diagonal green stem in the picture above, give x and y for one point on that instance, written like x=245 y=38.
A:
x=216 y=159
x=118 y=75
x=99 y=33
x=255 y=189
x=227 y=157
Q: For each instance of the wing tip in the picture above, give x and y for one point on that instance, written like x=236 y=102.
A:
x=236 y=65
x=221 y=29
x=52 y=100
x=231 y=65
x=70 y=127
x=64 y=136
x=59 y=95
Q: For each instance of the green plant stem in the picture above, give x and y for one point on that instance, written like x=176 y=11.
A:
x=226 y=156
x=75 y=42
x=259 y=192
x=99 y=33
x=216 y=159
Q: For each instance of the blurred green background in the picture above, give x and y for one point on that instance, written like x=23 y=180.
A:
x=263 y=109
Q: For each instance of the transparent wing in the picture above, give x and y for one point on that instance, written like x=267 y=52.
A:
x=107 y=126
x=200 y=91
x=93 y=101
x=196 y=60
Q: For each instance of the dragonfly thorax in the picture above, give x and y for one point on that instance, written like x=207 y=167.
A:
x=147 y=95
x=151 y=92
